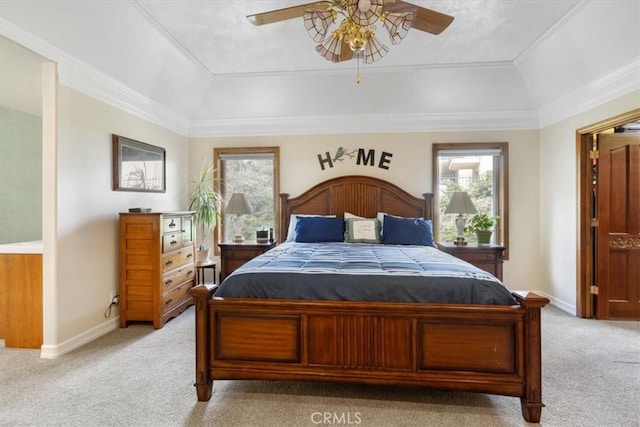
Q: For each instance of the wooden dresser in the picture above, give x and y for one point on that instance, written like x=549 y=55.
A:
x=156 y=266
x=486 y=257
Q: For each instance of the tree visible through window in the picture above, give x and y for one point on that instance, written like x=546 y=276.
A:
x=252 y=172
x=480 y=169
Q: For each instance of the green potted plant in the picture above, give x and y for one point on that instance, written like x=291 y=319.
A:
x=206 y=203
x=482 y=224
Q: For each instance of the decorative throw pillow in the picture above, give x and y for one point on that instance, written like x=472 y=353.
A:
x=319 y=229
x=407 y=231
x=362 y=230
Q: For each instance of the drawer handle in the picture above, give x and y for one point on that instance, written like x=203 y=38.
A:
x=168 y=262
x=189 y=255
x=173 y=242
x=169 y=301
x=172 y=224
x=190 y=272
x=168 y=282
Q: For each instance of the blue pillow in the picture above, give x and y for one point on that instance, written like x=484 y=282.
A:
x=407 y=231
x=319 y=229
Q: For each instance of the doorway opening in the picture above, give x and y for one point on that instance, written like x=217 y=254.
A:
x=586 y=137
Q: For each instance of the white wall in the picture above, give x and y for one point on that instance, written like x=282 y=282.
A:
x=559 y=199
x=87 y=229
x=410 y=168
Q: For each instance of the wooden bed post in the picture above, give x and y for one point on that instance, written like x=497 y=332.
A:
x=531 y=402
x=202 y=294
x=428 y=205
x=283 y=228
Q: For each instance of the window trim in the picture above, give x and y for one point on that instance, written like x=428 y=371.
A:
x=502 y=198
x=217 y=182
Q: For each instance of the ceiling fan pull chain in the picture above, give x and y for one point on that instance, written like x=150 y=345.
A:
x=358 y=67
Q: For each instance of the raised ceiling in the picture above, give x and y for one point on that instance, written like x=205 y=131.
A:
x=201 y=68
x=217 y=35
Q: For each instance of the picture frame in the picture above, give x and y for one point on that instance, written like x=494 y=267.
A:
x=138 y=166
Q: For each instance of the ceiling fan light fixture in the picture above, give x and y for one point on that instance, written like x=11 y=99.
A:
x=374 y=50
x=364 y=12
x=397 y=25
x=330 y=49
x=317 y=23
x=354 y=35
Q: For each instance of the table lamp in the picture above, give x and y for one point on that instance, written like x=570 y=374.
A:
x=238 y=205
x=460 y=204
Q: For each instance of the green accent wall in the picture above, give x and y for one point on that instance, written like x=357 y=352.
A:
x=20 y=176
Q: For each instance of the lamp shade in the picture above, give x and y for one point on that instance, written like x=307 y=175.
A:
x=238 y=205
x=460 y=203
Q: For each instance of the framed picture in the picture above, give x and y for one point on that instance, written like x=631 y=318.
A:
x=138 y=166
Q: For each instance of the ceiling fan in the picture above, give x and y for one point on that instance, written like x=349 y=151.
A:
x=355 y=34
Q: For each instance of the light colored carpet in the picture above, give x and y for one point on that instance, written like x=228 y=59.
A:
x=142 y=377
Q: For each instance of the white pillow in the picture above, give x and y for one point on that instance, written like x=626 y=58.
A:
x=380 y=217
x=350 y=215
x=291 y=232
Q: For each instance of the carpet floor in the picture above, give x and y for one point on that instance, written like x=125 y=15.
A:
x=139 y=376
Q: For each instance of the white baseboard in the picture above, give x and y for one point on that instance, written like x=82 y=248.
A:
x=53 y=351
x=562 y=305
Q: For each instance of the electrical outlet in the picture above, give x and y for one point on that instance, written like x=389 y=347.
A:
x=113 y=298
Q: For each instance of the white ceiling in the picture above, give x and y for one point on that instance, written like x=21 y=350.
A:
x=217 y=34
x=202 y=63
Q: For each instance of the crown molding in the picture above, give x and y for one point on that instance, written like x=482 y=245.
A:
x=383 y=123
x=83 y=78
x=570 y=14
x=618 y=83
x=341 y=69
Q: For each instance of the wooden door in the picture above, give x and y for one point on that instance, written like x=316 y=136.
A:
x=618 y=236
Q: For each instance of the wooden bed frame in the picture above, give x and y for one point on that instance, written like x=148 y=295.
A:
x=475 y=348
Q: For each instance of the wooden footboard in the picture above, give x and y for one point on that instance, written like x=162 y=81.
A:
x=489 y=349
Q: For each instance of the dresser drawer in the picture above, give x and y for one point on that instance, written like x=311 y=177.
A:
x=477 y=256
x=188 y=230
x=171 y=224
x=245 y=254
x=177 y=259
x=176 y=295
x=171 y=242
x=178 y=276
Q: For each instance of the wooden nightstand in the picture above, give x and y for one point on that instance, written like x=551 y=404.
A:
x=486 y=257
x=233 y=255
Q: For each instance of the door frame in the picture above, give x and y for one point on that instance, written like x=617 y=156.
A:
x=585 y=244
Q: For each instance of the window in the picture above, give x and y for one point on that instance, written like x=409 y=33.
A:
x=480 y=169
x=254 y=173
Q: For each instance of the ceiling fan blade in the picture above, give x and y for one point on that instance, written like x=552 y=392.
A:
x=286 y=13
x=426 y=20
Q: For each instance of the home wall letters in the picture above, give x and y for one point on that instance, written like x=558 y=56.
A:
x=362 y=157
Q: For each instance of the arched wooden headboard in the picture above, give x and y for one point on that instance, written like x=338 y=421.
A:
x=360 y=195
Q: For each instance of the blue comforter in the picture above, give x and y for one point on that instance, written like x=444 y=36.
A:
x=364 y=272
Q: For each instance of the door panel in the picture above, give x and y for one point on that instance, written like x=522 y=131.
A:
x=618 y=211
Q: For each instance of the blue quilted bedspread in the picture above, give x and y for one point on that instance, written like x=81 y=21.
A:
x=364 y=272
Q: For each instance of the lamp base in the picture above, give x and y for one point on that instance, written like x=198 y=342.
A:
x=460 y=241
x=238 y=238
